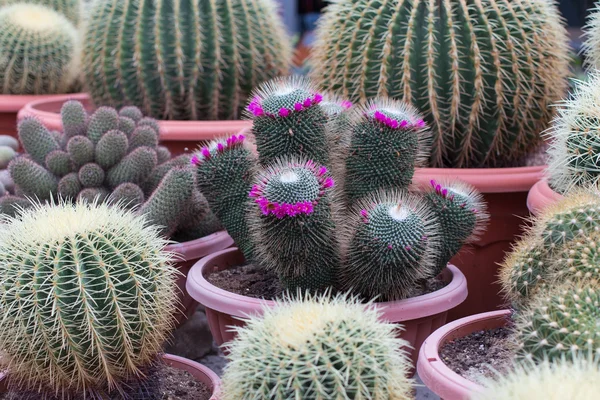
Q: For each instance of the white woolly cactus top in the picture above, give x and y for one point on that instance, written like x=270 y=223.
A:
x=575 y=134
x=559 y=380
x=317 y=348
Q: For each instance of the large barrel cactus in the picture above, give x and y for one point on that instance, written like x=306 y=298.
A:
x=87 y=297
x=183 y=59
x=484 y=72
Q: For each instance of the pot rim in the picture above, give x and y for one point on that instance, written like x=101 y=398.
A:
x=12 y=103
x=198 y=248
x=402 y=310
x=540 y=196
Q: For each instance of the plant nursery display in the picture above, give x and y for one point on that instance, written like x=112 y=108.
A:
x=324 y=201
x=331 y=348
x=87 y=299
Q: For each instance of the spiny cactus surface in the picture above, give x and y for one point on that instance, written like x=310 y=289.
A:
x=72 y=9
x=87 y=297
x=317 y=348
x=484 y=73
x=183 y=59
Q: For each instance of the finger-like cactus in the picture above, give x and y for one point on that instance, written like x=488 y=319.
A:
x=485 y=73
x=189 y=59
x=40 y=50
x=88 y=296
x=317 y=348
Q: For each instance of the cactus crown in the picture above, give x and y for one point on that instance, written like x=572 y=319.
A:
x=110 y=156
x=69 y=271
x=575 y=139
x=343 y=351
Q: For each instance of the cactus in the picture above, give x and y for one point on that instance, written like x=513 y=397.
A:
x=390 y=244
x=317 y=348
x=591 y=44
x=462 y=215
x=485 y=73
x=578 y=261
x=40 y=50
x=71 y=9
x=560 y=325
x=188 y=60
x=69 y=271
x=558 y=380
x=99 y=161
x=575 y=141
x=293 y=225
x=389 y=139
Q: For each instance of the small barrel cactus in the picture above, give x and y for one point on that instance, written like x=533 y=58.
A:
x=72 y=9
x=185 y=59
x=110 y=156
x=40 y=50
x=575 y=139
x=557 y=380
x=560 y=325
x=485 y=73
x=317 y=348
x=578 y=261
x=87 y=297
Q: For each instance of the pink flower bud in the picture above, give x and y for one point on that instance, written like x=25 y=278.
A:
x=284 y=112
x=298 y=107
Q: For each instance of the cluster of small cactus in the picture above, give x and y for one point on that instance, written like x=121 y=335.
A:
x=317 y=348
x=326 y=201
x=87 y=297
x=40 y=46
x=113 y=156
x=9 y=147
x=575 y=139
x=485 y=73
x=185 y=59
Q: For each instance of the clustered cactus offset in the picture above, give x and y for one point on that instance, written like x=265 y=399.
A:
x=87 y=296
x=485 y=73
x=182 y=59
x=112 y=156
x=299 y=211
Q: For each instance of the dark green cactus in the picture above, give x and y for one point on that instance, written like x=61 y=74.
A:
x=74 y=119
x=134 y=167
x=288 y=121
x=59 y=163
x=485 y=73
x=81 y=150
x=69 y=186
x=104 y=119
x=128 y=195
x=188 y=59
x=91 y=175
x=292 y=223
x=35 y=139
x=111 y=148
x=32 y=179
x=388 y=140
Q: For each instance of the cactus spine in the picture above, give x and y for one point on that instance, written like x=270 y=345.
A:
x=40 y=50
x=343 y=350
x=485 y=73
x=183 y=59
x=70 y=271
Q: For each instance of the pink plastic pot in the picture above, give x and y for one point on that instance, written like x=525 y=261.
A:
x=198 y=371
x=541 y=196
x=10 y=106
x=419 y=315
x=178 y=136
x=505 y=192
x=440 y=379
x=188 y=253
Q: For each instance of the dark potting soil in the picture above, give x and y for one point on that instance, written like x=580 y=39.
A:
x=472 y=356
x=252 y=281
x=167 y=383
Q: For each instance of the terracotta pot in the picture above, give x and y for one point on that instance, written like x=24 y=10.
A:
x=178 y=136
x=198 y=371
x=419 y=315
x=10 y=106
x=540 y=196
x=505 y=192
x=188 y=253
x=440 y=379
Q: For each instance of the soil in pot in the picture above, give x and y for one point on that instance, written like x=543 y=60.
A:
x=480 y=354
x=165 y=383
x=252 y=281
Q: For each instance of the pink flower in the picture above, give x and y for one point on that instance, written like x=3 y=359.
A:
x=317 y=98
x=307 y=103
x=394 y=124
x=220 y=147
x=403 y=123
x=347 y=104
x=206 y=152
x=298 y=107
x=284 y=112
x=322 y=171
x=241 y=138
x=328 y=182
x=379 y=116
x=420 y=123
x=195 y=160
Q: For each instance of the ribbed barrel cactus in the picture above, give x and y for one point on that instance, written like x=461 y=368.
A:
x=288 y=214
x=317 y=348
x=40 y=50
x=485 y=73
x=87 y=299
x=183 y=59
x=112 y=156
x=72 y=9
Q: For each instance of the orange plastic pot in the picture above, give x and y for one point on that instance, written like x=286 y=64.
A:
x=541 y=196
x=505 y=192
x=178 y=136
